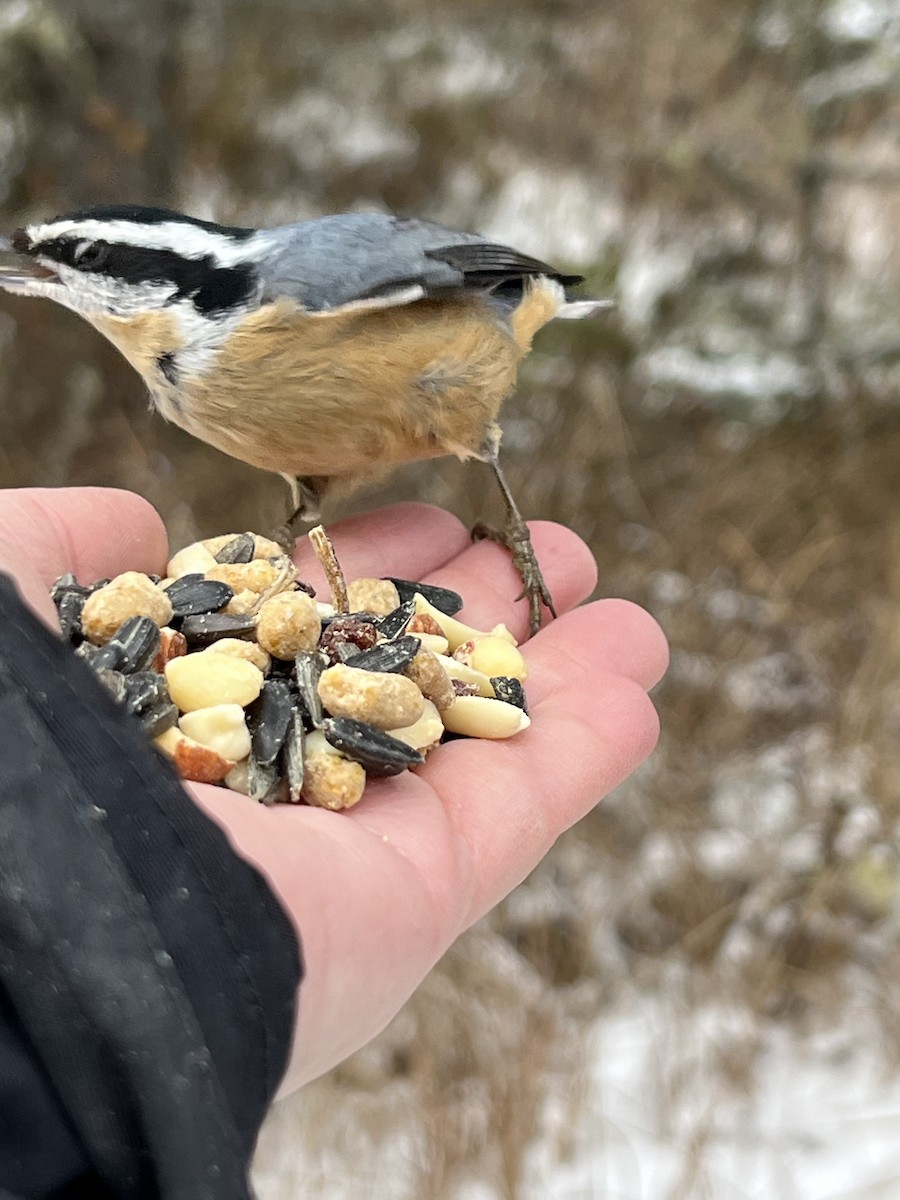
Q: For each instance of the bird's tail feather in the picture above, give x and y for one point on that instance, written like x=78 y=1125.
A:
x=574 y=310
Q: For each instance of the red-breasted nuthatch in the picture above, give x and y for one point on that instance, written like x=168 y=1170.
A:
x=329 y=351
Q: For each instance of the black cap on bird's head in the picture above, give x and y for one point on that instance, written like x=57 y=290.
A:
x=120 y=260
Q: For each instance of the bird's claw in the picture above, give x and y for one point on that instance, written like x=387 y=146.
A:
x=517 y=540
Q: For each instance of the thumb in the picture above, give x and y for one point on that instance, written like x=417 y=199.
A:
x=92 y=532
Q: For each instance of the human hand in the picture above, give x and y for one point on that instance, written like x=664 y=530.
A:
x=378 y=893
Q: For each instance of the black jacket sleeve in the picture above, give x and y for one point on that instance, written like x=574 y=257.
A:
x=148 y=976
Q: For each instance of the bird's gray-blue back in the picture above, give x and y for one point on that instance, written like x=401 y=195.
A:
x=336 y=260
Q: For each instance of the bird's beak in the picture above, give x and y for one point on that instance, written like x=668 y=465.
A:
x=18 y=270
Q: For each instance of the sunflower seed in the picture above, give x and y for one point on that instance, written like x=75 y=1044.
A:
x=104 y=658
x=444 y=599
x=239 y=550
x=343 y=652
x=389 y=656
x=144 y=689
x=69 y=597
x=373 y=749
x=268 y=718
x=294 y=756
x=69 y=606
x=308 y=667
x=395 y=623
x=66 y=583
x=138 y=641
x=262 y=781
x=509 y=690
x=205 y=628
x=193 y=594
x=157 y=719
x=114 y=682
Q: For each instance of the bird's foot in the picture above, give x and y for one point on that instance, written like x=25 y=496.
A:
x=517 y=540
x=305 y=509
x=284 y=537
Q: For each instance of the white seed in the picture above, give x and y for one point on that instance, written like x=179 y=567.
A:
x=492 y=655
x=459 y=670
x=423 y=734
x=192 y=560
x=455 y=631
x=221 y=727
x=476 y=716
x=203 y=680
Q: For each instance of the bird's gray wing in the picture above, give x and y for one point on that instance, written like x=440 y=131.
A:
x=375 y=259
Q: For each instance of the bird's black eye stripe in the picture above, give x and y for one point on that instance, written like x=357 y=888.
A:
x=211 y=288
x=92 y=257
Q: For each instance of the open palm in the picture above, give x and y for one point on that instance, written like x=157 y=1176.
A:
x=378 y=893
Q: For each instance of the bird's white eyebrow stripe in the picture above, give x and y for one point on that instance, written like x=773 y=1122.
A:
x=180 y=237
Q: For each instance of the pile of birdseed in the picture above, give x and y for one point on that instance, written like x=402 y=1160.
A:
x=242 y=678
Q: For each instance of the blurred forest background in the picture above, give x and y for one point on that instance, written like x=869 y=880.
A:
x=680 y=1000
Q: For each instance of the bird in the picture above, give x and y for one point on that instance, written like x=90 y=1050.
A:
x=330 y=350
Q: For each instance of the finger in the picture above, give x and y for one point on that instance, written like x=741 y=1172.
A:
x=93 y=532
x=507 y=802
x=406 y=540
x=617 y=636
x=488 y=582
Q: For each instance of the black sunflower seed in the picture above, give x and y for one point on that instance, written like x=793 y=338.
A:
x=443 y=599
x=205 y=628
x=192 y=594
x=114 y=682
x=157 y=719
x=66 y=583
x=509 y=690
x=389 y=656
x=88 y=653
x=307 y=669
x=136 y=643
x=144 y=690
x=374 y=749
x=268 y=718
x=344 y=652
x=262 y=782
x=69 y=605
x=69 y=597
x=294 y=756
x=239 y=550
x=103 y=658
x=395 y=623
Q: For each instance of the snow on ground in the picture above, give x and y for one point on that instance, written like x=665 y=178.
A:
x=821 y=1122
